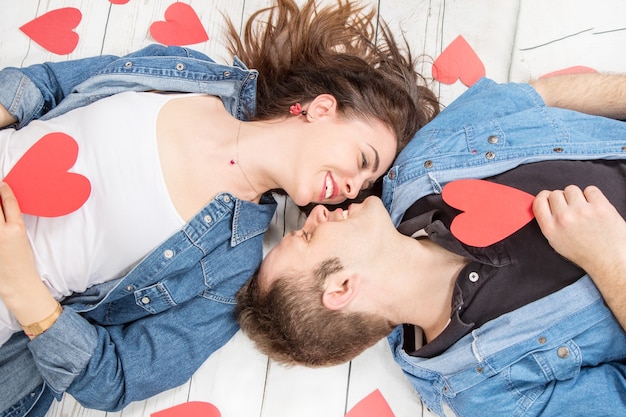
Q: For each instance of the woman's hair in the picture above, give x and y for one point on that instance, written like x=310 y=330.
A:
x=289 y=323
x=301 y=53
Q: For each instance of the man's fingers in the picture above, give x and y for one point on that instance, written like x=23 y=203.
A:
x=10 y=208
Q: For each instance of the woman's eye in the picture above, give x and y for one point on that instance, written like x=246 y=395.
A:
x=364 y=163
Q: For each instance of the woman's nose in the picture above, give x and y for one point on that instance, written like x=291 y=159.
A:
x=353 y=187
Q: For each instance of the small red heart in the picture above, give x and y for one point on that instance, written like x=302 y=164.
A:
x=578 y=69
x=40 y=180
x=458 y=62
x=491 y=212
x=54 y=30
x=181 y=27
x=372 y=405
x=119 y=1
x=190 y=409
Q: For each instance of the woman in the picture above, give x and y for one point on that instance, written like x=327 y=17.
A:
x=155 y=282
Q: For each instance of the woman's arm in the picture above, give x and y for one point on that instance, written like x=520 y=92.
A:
x=21 y=289
x=591 y=93
x=586 y=228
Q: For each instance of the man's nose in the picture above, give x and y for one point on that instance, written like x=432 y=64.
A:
x=318 y=215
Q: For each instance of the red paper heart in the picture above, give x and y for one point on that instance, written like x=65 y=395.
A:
x=40 y=180
x=372 y=405
x=458 y=62
x=119 y=1
x=55 y=30
x=190 y=409
x=181 y=27
x=491 y=212
x=570 y=70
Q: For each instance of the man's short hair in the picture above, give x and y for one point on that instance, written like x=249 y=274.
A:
x=289 y=323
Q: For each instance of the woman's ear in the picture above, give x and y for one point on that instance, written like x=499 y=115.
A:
x=322 y=105
x=341 y=288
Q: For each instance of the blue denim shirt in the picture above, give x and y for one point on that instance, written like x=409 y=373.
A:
x=149 y=331
x=544 y=358
x=490 y=129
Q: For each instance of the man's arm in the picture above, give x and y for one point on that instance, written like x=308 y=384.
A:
x=586 y=228
x=591 y=93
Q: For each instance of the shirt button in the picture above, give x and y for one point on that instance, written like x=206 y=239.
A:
x=227 y=199
x=563 y=352
x=251 y=76
x=208 y=219
x=145 y=300
x=168 y=253
x=490 y=155
x=226 y=73
x=558 y=150
x=541 y=340
x=128 y=64
x=180 y=66
x=428 y=164
x=473 y=276
x=129 y=288
x=492 y=139
x=391 y=175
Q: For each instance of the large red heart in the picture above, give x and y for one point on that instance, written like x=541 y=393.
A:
x=372 y=405
x=55 y=30
x=190 y=409
x=458 y=62
x=491 y=212
x=181 y=27
x=40 y=180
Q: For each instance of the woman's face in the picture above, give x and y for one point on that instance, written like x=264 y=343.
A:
x=339 y=158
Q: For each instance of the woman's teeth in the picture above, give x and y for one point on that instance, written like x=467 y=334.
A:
x=329 y=187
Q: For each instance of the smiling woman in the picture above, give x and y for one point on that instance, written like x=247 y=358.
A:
x=136 y=297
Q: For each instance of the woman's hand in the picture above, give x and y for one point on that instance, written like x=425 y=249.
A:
x=21 y=289
x=586 y=228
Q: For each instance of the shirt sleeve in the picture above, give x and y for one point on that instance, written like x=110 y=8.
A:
x=107 y=367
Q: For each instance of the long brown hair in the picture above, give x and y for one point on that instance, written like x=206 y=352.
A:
x=301 y=53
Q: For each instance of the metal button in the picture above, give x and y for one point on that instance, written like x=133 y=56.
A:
x=428 y=164
x=541 y=340
x=563 y=352
x=226 y=74
x=624 y=148
x=558 y=150
x=252 y=76
x=473 y=276
x=208 y=219
x=129 y=288
x=479 y=369
x=180 y=66
x=168 y=253
x=227 y=199
x=492 y=139
x=145 y=300
x=128 y=64
x=490 y=155
x=391 y=175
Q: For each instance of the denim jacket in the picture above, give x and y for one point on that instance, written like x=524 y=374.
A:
x=490 y=129
x=546 y=357
x=150 y=330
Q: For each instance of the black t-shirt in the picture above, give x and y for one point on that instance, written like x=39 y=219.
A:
x=517 y=270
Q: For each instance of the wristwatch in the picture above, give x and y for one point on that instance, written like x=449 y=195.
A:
x=35 y=329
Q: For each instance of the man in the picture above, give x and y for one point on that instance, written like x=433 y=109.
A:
x=508 y=329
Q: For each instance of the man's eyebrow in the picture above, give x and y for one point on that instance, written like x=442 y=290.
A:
x=376 y=160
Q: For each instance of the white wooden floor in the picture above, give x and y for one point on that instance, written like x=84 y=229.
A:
x=514 y=40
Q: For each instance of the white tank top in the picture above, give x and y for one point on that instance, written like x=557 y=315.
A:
x=129 y=211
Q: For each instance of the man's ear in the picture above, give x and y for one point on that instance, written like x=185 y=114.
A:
x=341 y=288
x=322 y=105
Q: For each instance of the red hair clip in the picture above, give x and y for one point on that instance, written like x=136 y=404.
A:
x=297 y=110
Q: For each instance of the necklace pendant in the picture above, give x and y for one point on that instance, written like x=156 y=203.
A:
x=233 y=162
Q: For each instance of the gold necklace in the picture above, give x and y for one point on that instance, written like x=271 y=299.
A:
x=236 y=161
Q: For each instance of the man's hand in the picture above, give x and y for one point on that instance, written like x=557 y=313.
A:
x=586 y=228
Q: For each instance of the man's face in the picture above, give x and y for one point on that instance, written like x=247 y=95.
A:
x=354 y=236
